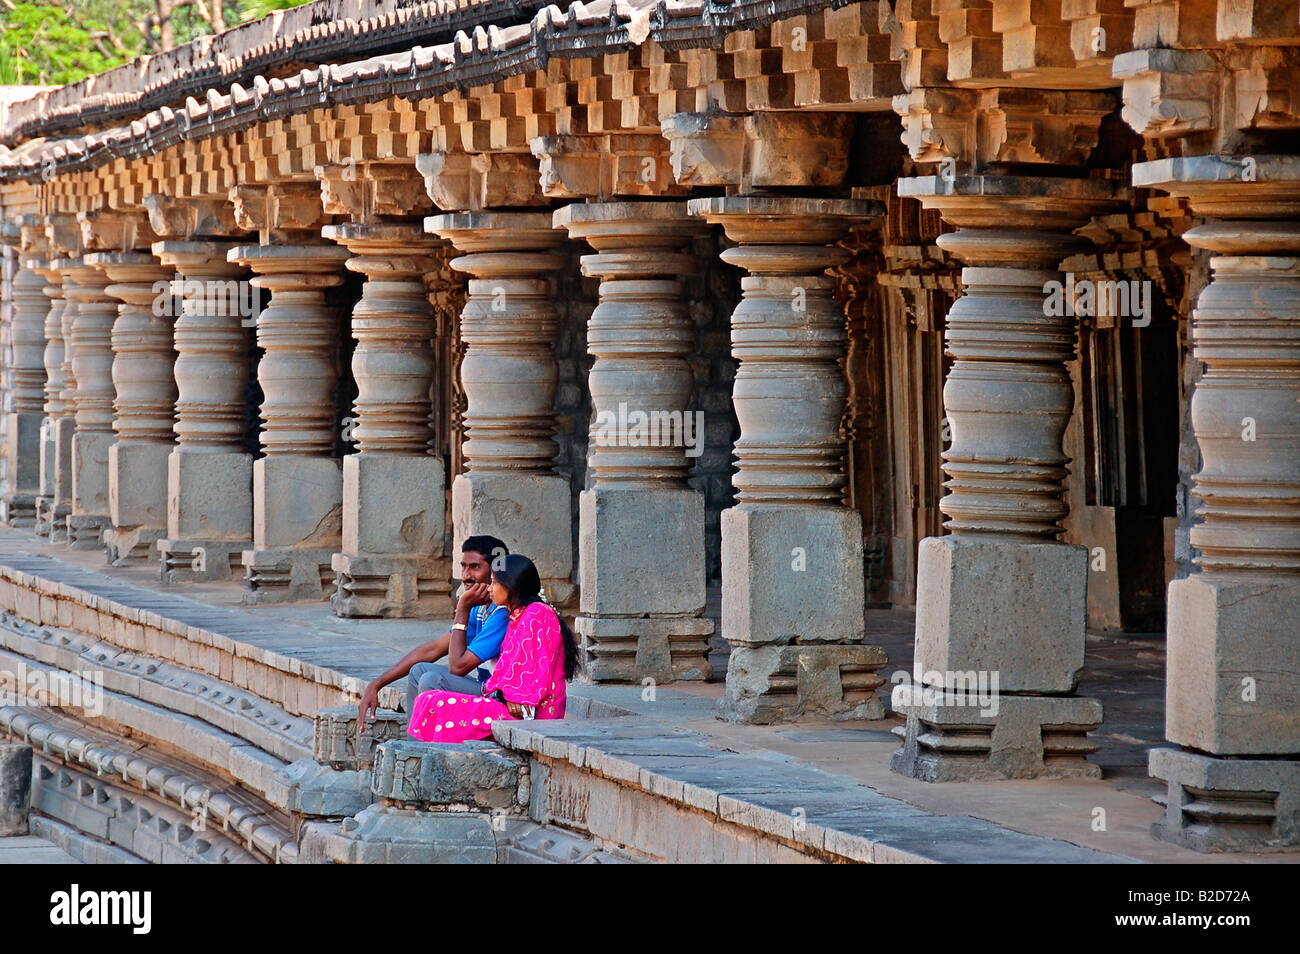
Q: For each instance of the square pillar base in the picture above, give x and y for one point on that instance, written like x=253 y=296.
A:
x=1224 y=804
x=51 y=520
x=950 y=738
x=792 y=574
x=85 y=531
x=287 y=576
x=200 y=561
x=18 y=510
x=64 y=428
x=1233 y=685
x=210 y=497
x=131 y=546
x=137 y=484
x=23 y=453
x=48 y=457
x=90 y=472
x=394 y=504
x=1018 y=609
x=391 y=587
x=663 y=574
x=531 y=513
x=297 y=503
x=630 y=650
x=767 y=684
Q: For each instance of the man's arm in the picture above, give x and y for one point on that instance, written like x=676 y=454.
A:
x=431 y=651
x=460 y=661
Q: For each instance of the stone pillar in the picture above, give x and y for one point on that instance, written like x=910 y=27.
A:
x=640 y=610
x=1232 y=695
x=394 y=490
x=510 y=488
x=144 y=406
x=27 y=395
x=91 y=351
x=210 y=472
x=792 y=574
x=48 y=520
x=298 y=485
x=64 y=425
x=15 y=788
x=1000 y=597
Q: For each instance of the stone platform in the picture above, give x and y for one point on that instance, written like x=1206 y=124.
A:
x=634 y=773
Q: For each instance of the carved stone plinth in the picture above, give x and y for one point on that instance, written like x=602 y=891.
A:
x=210 y=473
x=1232 y=697
x=391 y=559
x=510 y=489
x=643 y=441
x=1000 y=597
x=792 y=572
x=144 y=406
x=298 y=486
x=27 y=395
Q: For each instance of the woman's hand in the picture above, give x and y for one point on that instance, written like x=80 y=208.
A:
x=516 y=709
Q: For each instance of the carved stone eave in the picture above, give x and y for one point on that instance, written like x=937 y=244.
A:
x=185 y=219
x=1168 y=93
x=63 y=235
x=605 y=166
x=115 y=231
x=282 y=210
x=1229 y=187
x=368 y=190
x=759 y=150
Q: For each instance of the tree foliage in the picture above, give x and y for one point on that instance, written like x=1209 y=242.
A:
x=61 y=41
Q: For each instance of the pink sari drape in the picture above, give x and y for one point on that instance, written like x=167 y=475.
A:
x=530 y=671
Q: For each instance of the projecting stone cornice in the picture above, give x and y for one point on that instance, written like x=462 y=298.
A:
x=486 y=56
x=313 y=33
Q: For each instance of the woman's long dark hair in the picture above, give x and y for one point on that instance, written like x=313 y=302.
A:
x=519 y=576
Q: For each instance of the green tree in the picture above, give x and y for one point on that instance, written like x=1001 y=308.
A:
x=62 y=41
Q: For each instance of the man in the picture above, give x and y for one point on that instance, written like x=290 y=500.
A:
x=471 y=645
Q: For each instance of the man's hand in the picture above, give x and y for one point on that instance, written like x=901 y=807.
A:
x=476 y=594
x=368 y=706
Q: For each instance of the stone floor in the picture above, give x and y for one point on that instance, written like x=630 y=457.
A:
x=1125 y=673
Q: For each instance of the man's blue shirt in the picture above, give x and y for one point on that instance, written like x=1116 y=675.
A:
x=485 y=632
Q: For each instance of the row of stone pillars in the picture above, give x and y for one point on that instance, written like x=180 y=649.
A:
x=1000 y=595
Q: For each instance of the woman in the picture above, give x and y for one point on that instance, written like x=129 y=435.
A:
x=538 y=654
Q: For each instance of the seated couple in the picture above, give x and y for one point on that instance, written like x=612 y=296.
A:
x=508 y=654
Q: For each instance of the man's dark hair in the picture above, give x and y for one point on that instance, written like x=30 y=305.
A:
x=490 y=547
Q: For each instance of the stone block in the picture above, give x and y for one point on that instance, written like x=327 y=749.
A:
x=306 y=787
x=131 y=546
x=391 y=587
x=286 y=576
x=1233 y=685
x=767 y=684
x=49 y=457
x=297 y=502
x=640 y=551
x=791 y=574
x=335 y=741
x=137 y=484
x=64 y=428
x=530 y=512
x=481 y=775
x=1019 y=609
x=199 y=561
x=382 y=834
x=90 y=472
x=947 y=738
x=23 y=452
x=209 y=496
x=1223 y=804
x=15 y=787
x=630 y=649
x=393 y=504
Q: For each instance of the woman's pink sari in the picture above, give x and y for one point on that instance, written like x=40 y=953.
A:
x=530 y=672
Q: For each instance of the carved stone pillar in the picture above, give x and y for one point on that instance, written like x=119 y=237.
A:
x=394 y=490
x=210 y=472
x=641 y=606
x=1232 y=695
x=89 y=343
x=47 y=516
x=64 y=426
x=27 y=395
x=1000 y=597
x=510 y=488
x=792 y=582
x=298 y=485
x=144 y=406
